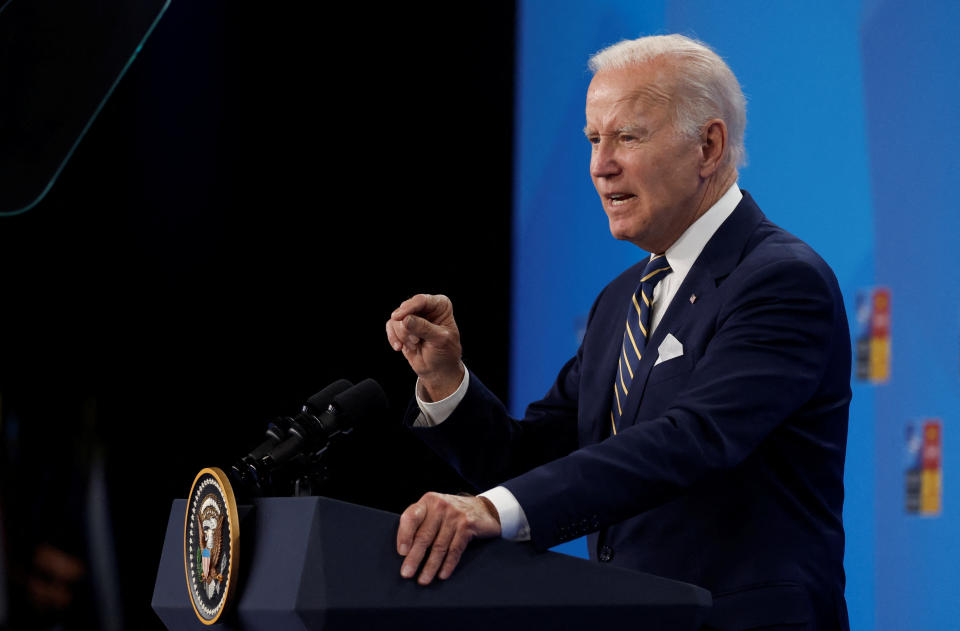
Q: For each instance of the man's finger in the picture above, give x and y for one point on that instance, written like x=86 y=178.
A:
x=392 y=338
x=410 y=521
x=422 y=541
x=399 y=335
x=438 y=552
x=433 y=303
x=414 y=304
x=417 y=327
x=428 y=305
x=457 y=546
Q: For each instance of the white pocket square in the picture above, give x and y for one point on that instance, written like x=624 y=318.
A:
x=669 y=348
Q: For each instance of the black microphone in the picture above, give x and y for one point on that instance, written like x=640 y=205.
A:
x=245 y=471
x=312 y=432
x=279 y=427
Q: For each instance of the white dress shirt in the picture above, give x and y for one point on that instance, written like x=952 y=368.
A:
x=681 y=256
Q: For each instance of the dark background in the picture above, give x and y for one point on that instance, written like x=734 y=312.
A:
x=266 y=184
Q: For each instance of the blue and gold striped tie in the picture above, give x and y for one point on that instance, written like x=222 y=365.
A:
x=635 y=337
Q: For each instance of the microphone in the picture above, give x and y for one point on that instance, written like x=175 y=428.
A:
x=279 y=427
x=314 y=431
x=323 y=418
x=245 y=471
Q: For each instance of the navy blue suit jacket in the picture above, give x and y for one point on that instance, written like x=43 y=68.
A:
x=727 y=470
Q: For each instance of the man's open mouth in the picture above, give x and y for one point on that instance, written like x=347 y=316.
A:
x=617 y=199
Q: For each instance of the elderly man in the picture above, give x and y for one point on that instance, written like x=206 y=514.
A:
x=699 y=432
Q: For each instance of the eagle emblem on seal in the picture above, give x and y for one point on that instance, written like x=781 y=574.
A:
x=210 y=527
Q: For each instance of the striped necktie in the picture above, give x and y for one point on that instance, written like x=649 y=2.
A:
x=635 y=336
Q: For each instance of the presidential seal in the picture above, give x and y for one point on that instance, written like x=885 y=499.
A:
x=210 y=544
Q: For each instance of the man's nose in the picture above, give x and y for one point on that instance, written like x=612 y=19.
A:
x=603 y=160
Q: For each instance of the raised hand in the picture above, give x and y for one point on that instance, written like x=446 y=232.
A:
x=423 y=328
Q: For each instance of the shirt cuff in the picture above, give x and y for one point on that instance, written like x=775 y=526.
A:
x=432 y=414
x=513 y=522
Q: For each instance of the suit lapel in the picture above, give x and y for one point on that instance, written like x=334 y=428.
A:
x=719 y=257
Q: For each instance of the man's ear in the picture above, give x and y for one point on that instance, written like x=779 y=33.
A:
x=713 y=146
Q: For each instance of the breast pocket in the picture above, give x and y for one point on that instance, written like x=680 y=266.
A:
x=670 y=369
x=665 y=382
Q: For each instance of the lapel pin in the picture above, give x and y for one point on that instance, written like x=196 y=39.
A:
x=693 y=298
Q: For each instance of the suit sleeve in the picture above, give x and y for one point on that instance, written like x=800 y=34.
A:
x=486 y=446
x=773 y=339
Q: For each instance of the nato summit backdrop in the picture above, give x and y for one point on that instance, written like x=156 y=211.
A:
x=851 y=121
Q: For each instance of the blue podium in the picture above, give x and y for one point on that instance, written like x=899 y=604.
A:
x=319 y=563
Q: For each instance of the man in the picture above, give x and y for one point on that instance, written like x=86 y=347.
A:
x=699 y=432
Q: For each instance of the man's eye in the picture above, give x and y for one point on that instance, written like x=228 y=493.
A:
x=594 y=140
x=627 y=138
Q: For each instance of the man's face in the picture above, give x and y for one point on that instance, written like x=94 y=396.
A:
x=646 y=173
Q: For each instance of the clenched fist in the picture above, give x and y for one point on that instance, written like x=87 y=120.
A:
x=423 y=328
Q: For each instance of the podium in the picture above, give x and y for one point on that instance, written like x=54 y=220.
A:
x=317 y=563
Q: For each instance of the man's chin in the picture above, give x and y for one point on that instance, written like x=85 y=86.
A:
x=621 y=233
x=629 y=236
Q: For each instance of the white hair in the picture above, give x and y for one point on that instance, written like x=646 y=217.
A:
x=706 y=85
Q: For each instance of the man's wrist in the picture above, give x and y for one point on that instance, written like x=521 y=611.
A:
x=487 y=504
x=438 y=389
x=513 y=522
x=432 y=414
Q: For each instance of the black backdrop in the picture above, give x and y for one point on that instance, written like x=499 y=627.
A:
x=265 y=186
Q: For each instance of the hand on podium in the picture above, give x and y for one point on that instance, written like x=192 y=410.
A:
x=444 y=525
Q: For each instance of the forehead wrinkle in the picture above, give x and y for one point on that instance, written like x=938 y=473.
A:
x=652 y=93
x=629 y=117
x=641 y=101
